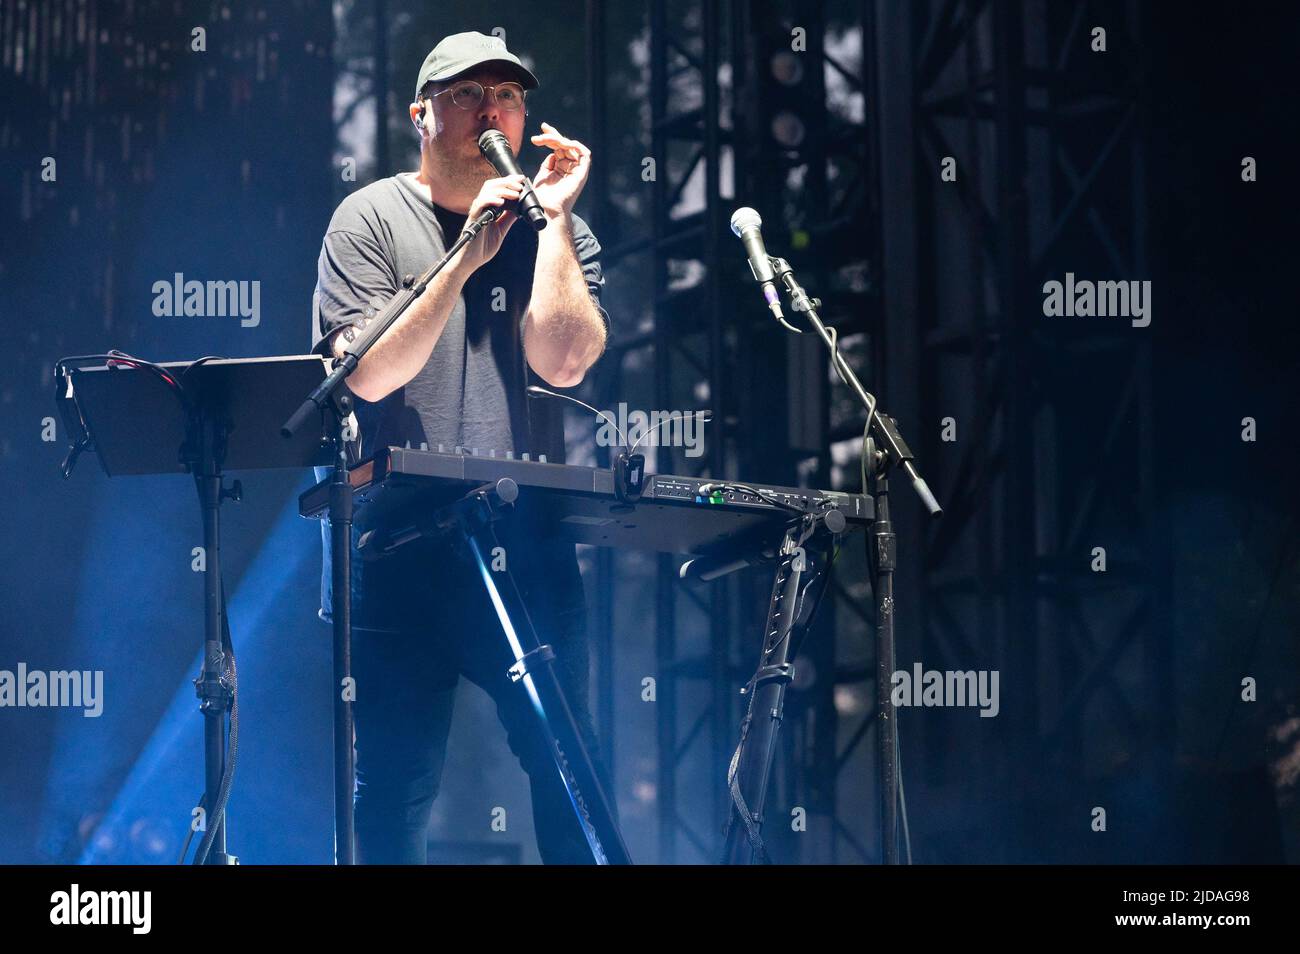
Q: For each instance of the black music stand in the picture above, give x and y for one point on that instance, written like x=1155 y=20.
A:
x=214 y=416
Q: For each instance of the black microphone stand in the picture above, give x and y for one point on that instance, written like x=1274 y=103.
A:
x=883 y=448
x=332 y=397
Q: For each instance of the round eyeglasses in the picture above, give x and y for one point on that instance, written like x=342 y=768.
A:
x=467 y=94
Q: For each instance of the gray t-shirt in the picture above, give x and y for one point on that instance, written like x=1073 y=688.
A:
x=470 y=392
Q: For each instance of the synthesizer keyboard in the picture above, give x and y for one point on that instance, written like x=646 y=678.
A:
x=674 y=514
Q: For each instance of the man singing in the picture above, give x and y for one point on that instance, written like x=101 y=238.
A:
x=513 y=307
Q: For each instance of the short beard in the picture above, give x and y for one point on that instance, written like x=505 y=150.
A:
x=465 y=175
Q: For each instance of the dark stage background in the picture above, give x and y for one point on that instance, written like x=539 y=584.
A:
x=1045 y=437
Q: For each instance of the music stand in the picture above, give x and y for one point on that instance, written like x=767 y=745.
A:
x=202 y=418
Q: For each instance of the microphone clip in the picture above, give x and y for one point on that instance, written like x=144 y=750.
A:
x=799 y=302
x=473 y=228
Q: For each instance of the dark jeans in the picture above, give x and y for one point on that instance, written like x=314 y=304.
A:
x=406 y=680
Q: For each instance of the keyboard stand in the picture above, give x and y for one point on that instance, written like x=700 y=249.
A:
x=474 y=517
x=802 y=572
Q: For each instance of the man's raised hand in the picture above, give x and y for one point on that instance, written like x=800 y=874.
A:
x=494 y=194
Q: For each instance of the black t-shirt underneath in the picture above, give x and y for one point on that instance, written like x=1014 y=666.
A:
x=470 y=393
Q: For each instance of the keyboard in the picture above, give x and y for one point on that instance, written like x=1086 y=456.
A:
x=675 y=514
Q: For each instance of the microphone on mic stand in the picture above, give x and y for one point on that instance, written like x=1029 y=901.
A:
x=496 y=149
x=747 y=224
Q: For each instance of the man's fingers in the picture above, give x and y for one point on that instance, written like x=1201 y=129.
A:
x=506 y=190
x=555 y=138
x=558 y=136
x=566 y=160
x=565 y=145
x=497 y=193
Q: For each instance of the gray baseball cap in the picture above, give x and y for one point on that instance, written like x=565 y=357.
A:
x=461 y=52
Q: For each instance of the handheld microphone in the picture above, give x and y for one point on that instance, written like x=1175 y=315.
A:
x=747 y=224
x=496 y=149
